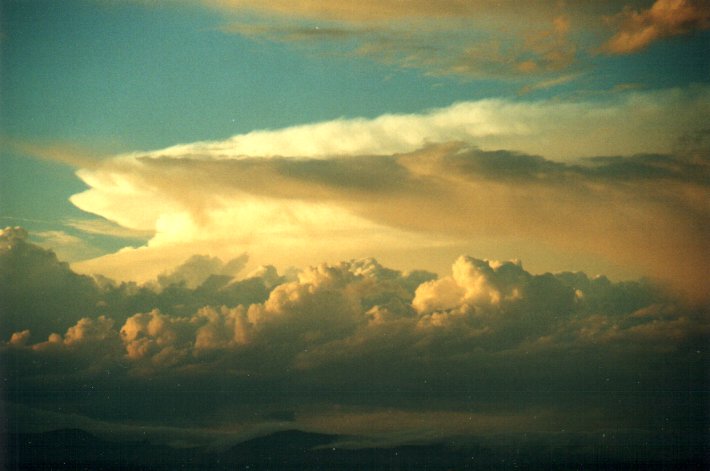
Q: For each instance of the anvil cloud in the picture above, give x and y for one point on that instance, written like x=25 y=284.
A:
x=423 y=182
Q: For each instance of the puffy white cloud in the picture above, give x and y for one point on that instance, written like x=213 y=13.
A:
x=162 y=339
x=43 y=294
x=89 y=330
x=348 y=306
x=473 y=283
x=12 y=236
x=197 y=269
x=407 y=356
x=20 y=338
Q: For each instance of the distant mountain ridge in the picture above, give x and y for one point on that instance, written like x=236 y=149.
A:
x=74 y=449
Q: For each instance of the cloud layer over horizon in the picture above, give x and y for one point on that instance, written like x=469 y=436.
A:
x=489 y=348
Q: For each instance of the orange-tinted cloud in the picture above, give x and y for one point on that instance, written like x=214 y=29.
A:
x=666 y=18
x=360 y=349
x=367 y=10
x=373 y=187
x=466 y=38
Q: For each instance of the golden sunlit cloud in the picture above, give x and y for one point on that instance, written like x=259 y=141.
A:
x=356 y=205
x=472 y=38
x=666 y=18
x=623 y=124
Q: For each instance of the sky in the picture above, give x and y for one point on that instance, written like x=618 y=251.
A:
x=305 y=187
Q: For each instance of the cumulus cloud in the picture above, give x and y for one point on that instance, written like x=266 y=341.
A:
x=665 y=18
x=485 y=349
x=41 y=293
x=474 y=282
x=331 y=306
x=194 y=271
x=37 y=290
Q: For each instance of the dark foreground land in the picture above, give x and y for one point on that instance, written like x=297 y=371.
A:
x=292 y=450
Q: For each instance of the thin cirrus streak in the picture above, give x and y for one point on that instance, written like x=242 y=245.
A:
x=470 y=39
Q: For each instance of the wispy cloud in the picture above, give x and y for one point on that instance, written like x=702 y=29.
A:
x=371 y=10
x=665 y=18
x=65 y=153
x=532 y=41
x=67 y=246
x=470 y=39
x=551 y=83
x=106 y=228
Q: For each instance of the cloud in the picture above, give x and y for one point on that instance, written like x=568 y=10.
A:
x=551 y=83
x=105 y=228
x=541 y=41
x=329 y=180
x=392 y=357
x=444 y=47
x=38 y=291
x=619 y=124
x=67 y=246
x=44 y=295
x=368 y=10
x=64 y=153
x=401 y=184
x=468 y=39
x=665 y=18
x=198 y=268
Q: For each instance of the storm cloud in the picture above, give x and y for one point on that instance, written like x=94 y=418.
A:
x=647 y=212
x=354 y=347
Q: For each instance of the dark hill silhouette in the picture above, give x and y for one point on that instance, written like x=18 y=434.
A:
x=292 y=450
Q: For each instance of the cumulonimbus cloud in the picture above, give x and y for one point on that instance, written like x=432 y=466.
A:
x=421 y=181
x=360 y=341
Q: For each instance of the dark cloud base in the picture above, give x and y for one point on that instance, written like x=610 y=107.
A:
x=393 y=370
